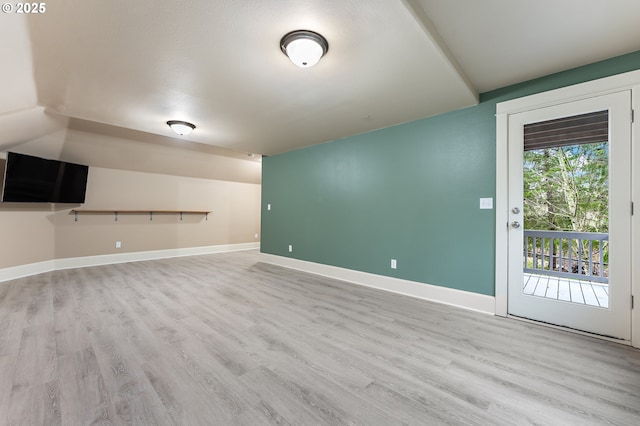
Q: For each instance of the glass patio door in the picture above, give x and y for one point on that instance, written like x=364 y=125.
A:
x=570 y=215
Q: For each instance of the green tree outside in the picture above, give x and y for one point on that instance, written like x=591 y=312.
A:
x=566 y=189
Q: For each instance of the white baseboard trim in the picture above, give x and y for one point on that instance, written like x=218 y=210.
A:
x=448 y=296
x=21 y=271
x=108 y=259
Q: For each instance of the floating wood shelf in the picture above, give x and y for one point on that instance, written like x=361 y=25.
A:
x=149 y=212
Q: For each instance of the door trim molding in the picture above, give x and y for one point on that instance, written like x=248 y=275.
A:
x=575 y=92
x=635 y=219
x=625 y=81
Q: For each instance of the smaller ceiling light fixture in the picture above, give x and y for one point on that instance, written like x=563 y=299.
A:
x=180 y=127
x=304 y=48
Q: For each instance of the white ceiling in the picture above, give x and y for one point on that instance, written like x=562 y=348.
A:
x=137 y=64
x=502 y=42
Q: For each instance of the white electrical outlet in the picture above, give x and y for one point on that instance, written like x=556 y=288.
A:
x=394 y=264
x=255 y=236
x=290 y=248
x=268 y=206
x=118 y=244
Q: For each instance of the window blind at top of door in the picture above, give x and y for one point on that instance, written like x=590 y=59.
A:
x=575 y=130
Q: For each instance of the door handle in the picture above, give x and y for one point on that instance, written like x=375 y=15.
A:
x=515 y=224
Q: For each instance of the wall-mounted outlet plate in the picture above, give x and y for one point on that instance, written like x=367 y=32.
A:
x=290 y=248
x=394 y=264
x=118 y=244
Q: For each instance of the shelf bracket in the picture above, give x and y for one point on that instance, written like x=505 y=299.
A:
x=150 y=215
x=75 y=213
x=115 y=216
x=206 y=216
x=180 y=215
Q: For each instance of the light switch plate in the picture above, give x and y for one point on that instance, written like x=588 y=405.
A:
x=486 y=203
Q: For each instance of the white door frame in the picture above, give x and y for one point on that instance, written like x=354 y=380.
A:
x=625 y=81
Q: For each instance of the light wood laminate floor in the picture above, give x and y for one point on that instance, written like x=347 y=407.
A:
x=225 y=340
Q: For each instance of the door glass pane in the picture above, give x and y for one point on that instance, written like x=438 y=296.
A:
x=566 y=209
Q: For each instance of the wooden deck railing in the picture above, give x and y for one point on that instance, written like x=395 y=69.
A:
x=577 y=255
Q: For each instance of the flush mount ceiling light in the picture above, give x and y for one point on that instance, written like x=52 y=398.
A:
x=304 y=48
x=181 y=127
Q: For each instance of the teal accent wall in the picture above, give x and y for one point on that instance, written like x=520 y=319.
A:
x=409 y=192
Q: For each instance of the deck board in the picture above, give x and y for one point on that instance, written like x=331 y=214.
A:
x=541 y=288
x=576 y=291
x=563 y=290
x=552 y=289
x=530 y=282
x=589 y=295
x=602 y=294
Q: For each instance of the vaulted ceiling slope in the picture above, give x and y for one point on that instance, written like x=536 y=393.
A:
x=217 y=64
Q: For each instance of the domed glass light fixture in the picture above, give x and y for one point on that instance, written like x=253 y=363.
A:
x=180 y=127
x=303 y=47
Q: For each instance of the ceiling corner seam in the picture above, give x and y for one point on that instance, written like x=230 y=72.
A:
x=432 y=33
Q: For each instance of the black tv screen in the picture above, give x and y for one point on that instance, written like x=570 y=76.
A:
x=29 y=179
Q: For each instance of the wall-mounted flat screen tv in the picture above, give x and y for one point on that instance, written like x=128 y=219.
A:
x=29 y=179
